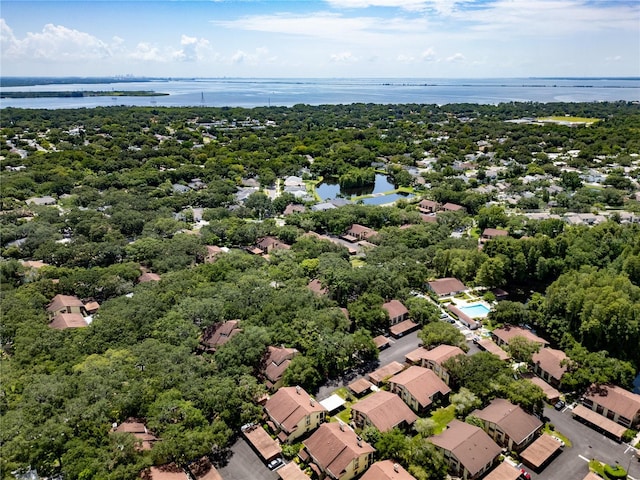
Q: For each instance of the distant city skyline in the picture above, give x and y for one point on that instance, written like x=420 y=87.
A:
x=329 y=38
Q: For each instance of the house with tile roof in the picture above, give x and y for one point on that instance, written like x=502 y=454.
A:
x=294 y=413
x=420 y=388
x=548 y=365
x=434 y=358
x=337 y=452
x=502 y=336
x=396 y=310
x=219 y=334
x=276 y=361
x=444 y=287
x=139 y=430
x=62 y=321
x=387 y=470
x=383 y=410
x=508 y=424
x=65 y=304
x=614 y=403
x=468 y=451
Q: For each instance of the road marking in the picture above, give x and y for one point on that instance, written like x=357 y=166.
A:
x=584 y=458
x=629 y=447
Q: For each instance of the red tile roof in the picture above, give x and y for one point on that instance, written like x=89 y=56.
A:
x=504 y=471
x=221 y=333
x=386 y=371
x=510 y=331
x=536 y=454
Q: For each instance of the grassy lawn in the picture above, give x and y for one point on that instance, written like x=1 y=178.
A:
x=555 y=433
x=357 y=262
x=344 y=415
x=569 y=119
x=442 y=417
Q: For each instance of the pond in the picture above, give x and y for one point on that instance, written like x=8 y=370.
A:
x=330 y=188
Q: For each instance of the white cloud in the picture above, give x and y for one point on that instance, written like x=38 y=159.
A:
x=429 y=55
x=148 y=53
x=457 y=57
x=343 y=57
x=259 y=56
x=403 y=58
x=53 y=43
x=193 y=49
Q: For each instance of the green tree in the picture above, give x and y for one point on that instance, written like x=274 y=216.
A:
x=438 y=333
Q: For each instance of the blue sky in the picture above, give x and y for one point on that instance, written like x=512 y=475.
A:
x=321 y=38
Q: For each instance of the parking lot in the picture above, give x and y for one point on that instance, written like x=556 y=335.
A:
x=573 y=462
x=244 y=464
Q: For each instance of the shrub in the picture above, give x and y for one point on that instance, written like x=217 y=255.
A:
x=614 y=472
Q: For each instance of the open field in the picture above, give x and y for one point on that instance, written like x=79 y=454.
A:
x=560 y=119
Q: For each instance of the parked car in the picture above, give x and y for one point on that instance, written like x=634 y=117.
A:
x=559 y=405
x=275 y=463
x=524 y=475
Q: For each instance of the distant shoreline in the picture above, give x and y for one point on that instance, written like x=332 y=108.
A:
x=83 y=93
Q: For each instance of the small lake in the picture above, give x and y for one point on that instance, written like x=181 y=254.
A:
x=330 y=189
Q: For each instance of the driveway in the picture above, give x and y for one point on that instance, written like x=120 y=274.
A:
x=244 y=464
x=573 y=462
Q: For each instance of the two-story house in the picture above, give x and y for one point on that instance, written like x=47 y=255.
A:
x=434 y=358
x=615 y=403
x=337 y=452
x=383 y=410
x=508 y=424
x=276 y=361
x=294 y=413
x=548 y=365
x=468 y=451
x=419 y=388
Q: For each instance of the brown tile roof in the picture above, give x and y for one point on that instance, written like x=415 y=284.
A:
x=442 y=353
x=92 y=306
x=403 y=327
x=598 y=420
x=395 y=308
x=452 y=207
x=289 y=405
x=204 y=470
x=316 y=287
x=381 y=341
x=510 y=331
x=138 y=430
x=63 y=301
x=540 y=451
x=470 y=445
x=491 y=347
x=446 y=286
x=293 y=208
x=277 y=360
x=512 y=419
x=386 y=371
x=359 y=386
x=504 y=471
x=615 y=399
x=429 y=218
x=592 y=476
x=334 y=446
x=221 y=333
x=68 y=320
x=271 y=243
x=416 y=356
x=385 y=410
x=149 y=277
x=551 y=393
x=266 y=446
x=421 y=383
x=361 y=230
x=291 y=471
x=164 y=472
x=428 y=204
x=549 y=360
x=386 y=470
x=494 y=232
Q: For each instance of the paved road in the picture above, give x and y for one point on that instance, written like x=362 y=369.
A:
x=587 y=444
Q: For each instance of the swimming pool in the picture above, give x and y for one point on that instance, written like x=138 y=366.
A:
x=477 y=310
